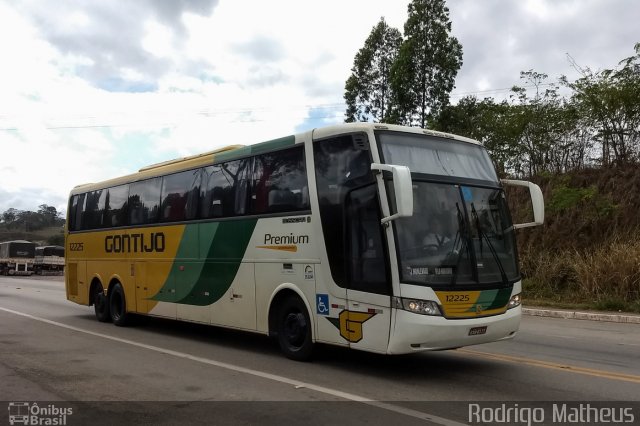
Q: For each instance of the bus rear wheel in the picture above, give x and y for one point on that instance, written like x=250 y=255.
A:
x=294 y=329
x=101 y=305
x=118 y=305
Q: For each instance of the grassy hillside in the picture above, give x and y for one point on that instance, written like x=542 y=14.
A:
x=587 y=254
x=45 y=236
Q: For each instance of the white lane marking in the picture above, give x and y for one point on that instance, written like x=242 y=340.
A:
x=257 y=373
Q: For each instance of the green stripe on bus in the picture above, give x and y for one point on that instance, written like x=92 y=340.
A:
x=255 y=149
x=492 y=299
x=273 y=145
x=501 y=298
x=196 y=237
x=204 y=282
x=223 y=260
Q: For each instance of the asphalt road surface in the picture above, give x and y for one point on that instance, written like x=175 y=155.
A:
x=55 y=354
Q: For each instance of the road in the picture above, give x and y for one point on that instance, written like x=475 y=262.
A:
x=54 y=350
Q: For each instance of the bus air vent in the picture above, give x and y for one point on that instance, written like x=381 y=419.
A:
x=360 y=142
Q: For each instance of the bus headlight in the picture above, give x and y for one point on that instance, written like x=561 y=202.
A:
x=514 y=301
x=417 y=306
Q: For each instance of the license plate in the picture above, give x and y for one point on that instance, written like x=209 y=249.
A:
x=477 y=330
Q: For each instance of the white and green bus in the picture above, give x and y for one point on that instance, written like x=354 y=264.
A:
x=376 y=237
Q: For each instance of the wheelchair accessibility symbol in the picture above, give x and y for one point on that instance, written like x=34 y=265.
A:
x=322 y=304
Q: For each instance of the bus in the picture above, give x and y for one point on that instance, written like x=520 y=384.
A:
x=49 y=260
x=376 y=237
x=16 y=257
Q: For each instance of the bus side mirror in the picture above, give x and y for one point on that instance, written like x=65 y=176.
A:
x=402 y=188
x=536 y=200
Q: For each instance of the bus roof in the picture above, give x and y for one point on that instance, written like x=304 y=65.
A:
x=238 y=151
x=322 y=132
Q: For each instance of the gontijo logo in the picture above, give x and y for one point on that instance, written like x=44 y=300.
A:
x=350 y=323
x=135 y=243
x=32 y=414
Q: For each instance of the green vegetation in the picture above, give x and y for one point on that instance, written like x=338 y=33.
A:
x=579 y=140
x=405 y=80
x=604 y=277
x=43 y=226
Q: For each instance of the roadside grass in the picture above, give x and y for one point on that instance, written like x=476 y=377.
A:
x=605 y=277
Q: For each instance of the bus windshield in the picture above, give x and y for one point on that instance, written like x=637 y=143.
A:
x=461 y=232
x=458 y=235
x=437 y=156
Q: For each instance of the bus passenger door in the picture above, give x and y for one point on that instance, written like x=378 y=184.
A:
x=369 y=294
x=356 y=284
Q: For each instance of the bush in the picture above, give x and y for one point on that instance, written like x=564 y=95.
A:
x=606 y=277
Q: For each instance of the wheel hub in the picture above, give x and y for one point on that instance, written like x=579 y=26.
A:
x=295 y=328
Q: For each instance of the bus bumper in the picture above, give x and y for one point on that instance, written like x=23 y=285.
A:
x=414 y=332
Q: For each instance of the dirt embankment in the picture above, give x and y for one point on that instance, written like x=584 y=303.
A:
x=588 y=251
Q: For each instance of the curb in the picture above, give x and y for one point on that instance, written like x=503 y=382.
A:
x=590 y=316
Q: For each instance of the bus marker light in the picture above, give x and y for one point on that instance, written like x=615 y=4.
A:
x=515 y=301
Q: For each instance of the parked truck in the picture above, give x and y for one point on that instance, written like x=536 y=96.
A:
x=49 y=260
x=17 y=257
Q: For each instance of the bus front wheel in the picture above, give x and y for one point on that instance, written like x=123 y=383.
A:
x=101 y=305
x=118 y=305
x=294 y=329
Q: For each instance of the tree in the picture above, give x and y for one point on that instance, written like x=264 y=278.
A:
x=56 y=240
x=49 y=214
x=464 y=119
x=424 y=72
x=368 y=89
x=29 y=221
x=608 y=102
x=10 y=216
x=488 y=122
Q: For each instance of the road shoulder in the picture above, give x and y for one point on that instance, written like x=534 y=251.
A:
x=619 y=317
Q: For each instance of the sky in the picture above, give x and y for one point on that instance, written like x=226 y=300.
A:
x=95 y=90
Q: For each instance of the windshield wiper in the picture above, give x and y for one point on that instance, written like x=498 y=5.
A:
x=482 y=235
x=464 y=238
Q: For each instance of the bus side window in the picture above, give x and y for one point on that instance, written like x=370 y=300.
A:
x=115 y=213
x=76 y=212
x=223 y=189
x=144 y=201
x=279 y=181
x=178 y=200
x=94 y=209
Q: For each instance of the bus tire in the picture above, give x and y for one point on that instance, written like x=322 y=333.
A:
x=101 y=305
x=118 y=305
x=294 y=329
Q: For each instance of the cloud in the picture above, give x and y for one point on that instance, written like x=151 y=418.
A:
x=501 y=38
x=261 y=49
x=109 y=37
x=266 y=75
x=93 y=90
x=28 y=199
